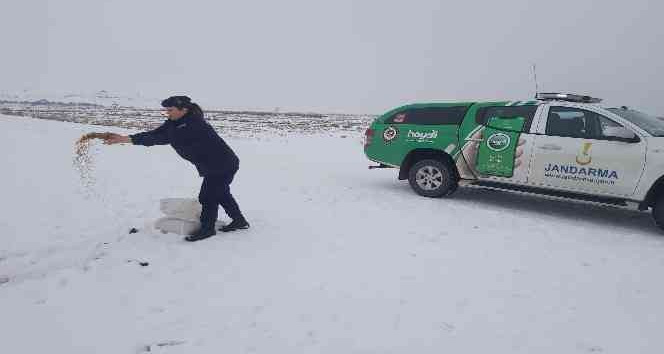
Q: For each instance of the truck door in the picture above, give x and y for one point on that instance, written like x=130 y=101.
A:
x=503 y=143
x=578 y=150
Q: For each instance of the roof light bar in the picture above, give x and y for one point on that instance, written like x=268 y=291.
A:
x=567 y=97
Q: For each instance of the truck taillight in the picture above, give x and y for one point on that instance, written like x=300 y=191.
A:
x=368 y=137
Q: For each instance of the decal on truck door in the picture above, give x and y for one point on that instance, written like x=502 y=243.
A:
x=496 y=143
x=497 y=152
x=492 y=152
x=579 y=172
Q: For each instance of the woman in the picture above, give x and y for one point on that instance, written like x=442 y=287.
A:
x=197 y=142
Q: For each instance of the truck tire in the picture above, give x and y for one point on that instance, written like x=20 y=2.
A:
x=432 y=178
x=658 y=211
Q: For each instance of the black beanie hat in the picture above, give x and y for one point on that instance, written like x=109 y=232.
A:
x=177 y=101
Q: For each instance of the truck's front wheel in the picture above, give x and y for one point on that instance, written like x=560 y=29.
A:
x=658 y=211
x=432 y=178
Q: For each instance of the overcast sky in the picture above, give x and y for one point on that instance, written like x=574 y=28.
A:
x=336 y=56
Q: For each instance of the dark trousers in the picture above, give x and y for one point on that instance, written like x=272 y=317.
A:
x=215 y=191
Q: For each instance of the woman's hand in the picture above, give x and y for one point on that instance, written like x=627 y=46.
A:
x=113 y=138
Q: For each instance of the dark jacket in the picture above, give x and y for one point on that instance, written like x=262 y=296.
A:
x=194 y=140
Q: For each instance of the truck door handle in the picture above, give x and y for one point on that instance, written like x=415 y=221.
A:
x=550 y=147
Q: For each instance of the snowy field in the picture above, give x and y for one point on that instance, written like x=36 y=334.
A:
x=339 y=259
x=230 y=123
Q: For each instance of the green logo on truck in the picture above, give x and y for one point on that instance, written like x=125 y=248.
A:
x=389 y=134
x=498 y=142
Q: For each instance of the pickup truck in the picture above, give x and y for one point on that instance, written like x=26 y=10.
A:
x=558 y=145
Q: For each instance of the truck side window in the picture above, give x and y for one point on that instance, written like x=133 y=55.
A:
x=430 y=116
x=578 y=123
x=570 y=122
x=527 y=112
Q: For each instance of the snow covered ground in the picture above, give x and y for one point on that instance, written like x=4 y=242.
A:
x=339 y=259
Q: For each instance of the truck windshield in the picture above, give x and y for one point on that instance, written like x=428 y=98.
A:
x=652 y=125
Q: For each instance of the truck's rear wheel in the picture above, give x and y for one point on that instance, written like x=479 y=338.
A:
x=432 y=178
x=658 y=211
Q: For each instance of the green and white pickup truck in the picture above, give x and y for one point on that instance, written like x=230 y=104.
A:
x=558 y=145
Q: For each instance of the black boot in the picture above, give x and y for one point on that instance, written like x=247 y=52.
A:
x=205 y=231
x=236 y=224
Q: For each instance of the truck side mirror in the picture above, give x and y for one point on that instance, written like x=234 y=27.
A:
x=621 y=134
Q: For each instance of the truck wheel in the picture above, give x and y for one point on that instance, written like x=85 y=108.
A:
x=432 y=178
x=658 y=211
